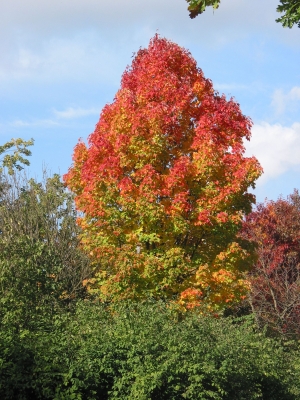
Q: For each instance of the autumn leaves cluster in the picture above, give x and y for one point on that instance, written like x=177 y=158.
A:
x=164 y=172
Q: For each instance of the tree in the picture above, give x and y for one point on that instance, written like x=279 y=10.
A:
x=41 y=274
x=163 y=185
x=290 y=8
x=275 y=277
x=41 y=265
x=19 y=149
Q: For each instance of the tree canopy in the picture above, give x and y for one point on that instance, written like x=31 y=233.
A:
x=275 y=277
x=289 y=8
x=19 y=149
x=163 y=185
x=41 y=264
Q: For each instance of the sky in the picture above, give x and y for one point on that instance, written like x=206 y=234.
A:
x=62 y=61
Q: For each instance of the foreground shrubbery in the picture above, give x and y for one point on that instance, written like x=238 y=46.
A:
x=58 y=343
x=144 y=352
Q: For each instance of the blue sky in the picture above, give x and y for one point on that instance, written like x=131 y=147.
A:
x=62 y=60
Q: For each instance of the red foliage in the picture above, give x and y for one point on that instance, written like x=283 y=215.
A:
x=165 y=172
x=275 y=278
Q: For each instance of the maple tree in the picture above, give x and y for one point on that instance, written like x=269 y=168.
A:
x=162 y=186
x=275 y=278
x=290 y=8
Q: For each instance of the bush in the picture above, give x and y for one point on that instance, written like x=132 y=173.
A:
x=55 y=343
x=144 y=352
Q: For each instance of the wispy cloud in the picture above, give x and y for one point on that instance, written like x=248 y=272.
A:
x=75 y=112
x=19 y=123
x=276 y=147
x=281 y=101
x=58 y=118
x=85 y=57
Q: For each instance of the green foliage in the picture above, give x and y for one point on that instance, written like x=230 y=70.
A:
x=41 y=270
x=19 y=149
x=41 y=273
x=39 y=252
x=197 y=358
x=197 y=7
x=31 y=365
x=291 y=10
x=144 y=352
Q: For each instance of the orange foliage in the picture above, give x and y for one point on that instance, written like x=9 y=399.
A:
x=163 y=184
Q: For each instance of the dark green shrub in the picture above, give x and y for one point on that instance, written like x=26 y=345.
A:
x=143 y=352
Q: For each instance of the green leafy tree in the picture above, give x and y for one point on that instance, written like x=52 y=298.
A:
x=289 y=8
x=41 y=265
x=19 y=149
x=41 y=272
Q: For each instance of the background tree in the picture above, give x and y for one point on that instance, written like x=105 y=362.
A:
x=290 y=8
x=41 y=273
x=41 y=265
x=275 y=278
x=163 y=185
x=19 y=149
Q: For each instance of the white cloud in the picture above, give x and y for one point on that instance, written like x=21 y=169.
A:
x=281 y=101
x=47 y=37
x=19 y=123
x=68 y=114
x=85 y=57
x=77 y=112
x=276 y=147
x=61 y=16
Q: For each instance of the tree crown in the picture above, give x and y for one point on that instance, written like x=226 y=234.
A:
x=163 y=183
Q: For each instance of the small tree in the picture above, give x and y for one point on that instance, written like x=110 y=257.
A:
x=41 y=274
x=163 y=185
x=19 y=150
x=275 y=277
x=41 y=265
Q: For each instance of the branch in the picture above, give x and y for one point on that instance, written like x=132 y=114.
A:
x=19 y=149
x=197 y=7
x=291 y=10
